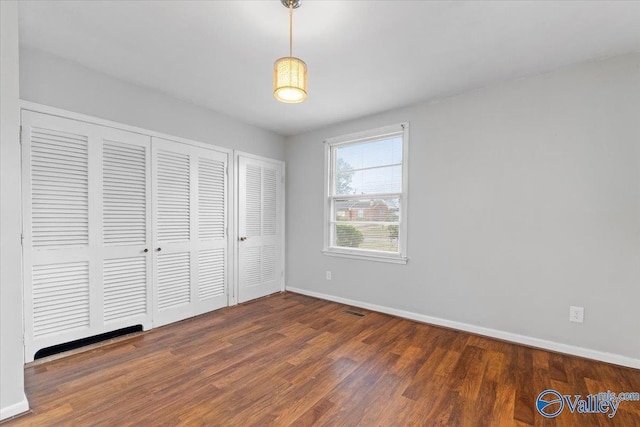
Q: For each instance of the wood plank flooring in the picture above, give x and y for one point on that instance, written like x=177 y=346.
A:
x=295 y=360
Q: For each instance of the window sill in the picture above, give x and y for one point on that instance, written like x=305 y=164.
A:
x=366 y=257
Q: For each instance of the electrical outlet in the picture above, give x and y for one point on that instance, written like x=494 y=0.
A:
x=576 y=314
x=328 y=274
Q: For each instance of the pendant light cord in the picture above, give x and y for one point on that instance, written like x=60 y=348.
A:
x=290 y=28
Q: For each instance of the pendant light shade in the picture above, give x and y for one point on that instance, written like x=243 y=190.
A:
x=290 y=80
x=289 y=72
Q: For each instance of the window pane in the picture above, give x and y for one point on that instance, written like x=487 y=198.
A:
x=369 y=154
x=367 y=236
x=365 y=189
x=386 y=179
x=386 y=210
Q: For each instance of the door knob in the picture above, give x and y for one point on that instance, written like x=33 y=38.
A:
x=146 y=250
x=159 y=249
x=242 y=239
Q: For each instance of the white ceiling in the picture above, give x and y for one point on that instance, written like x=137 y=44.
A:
x=363 y=56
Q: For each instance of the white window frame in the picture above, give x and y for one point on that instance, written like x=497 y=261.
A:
x=329 y=161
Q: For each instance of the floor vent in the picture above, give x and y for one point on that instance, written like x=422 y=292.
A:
x=353 y=313
x=60 y=348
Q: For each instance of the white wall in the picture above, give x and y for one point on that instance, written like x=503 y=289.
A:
x=54 y=81
x=12 y=397
x=524 y=200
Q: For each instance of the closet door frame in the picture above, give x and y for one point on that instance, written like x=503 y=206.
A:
x=236 y=219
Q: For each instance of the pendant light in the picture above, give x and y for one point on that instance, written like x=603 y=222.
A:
x=290 y=73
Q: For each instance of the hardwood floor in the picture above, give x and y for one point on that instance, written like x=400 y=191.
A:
x=295 y=360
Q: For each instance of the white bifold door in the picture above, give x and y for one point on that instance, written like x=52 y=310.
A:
x=190 y=242
x=87 y=209
x=260 y=213
x=119 y=230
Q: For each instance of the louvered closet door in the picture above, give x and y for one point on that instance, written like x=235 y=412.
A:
x=57 y=234
x=190 y=242
x=84 y=273
x=211 y=236
x=126 y=233
x=260 y=212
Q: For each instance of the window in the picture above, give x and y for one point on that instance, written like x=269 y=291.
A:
x=366 y=194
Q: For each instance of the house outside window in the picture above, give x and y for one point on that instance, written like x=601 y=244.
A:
x=366 y=194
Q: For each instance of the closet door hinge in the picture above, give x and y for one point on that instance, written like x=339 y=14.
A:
x=20 y=137
x=21 y=239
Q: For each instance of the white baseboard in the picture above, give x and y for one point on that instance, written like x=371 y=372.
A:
x=616 y=359
x=15 y=409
